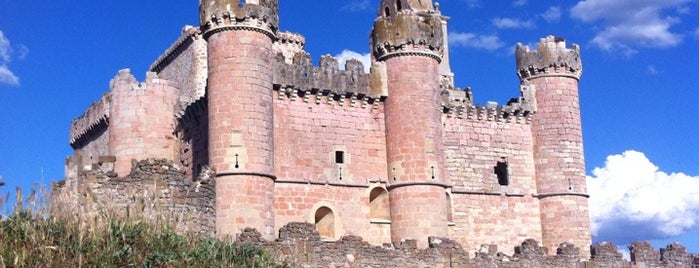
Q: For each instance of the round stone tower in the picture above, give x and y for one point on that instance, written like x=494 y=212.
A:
x=553 y=72
x=407 y=36
x=241 y=141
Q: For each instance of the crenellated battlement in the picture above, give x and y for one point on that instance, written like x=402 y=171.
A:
x=289 y=44
x=294 y=39
x=325 y=78
x=551 y=57
x=189 y=35
x=403 y=31
x=253 y=15
x=125 y=81
x=96 y=115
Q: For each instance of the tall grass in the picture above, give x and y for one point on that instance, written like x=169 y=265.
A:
x=33 y=237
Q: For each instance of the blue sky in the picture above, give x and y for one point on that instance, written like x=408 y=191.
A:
x=638 y=92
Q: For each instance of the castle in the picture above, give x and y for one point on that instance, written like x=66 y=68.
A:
x=397 y=153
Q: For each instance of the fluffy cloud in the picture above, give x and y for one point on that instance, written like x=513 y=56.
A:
x=630 y=197
x=509 y=23
x=357 y=5
x=349 y=54
x=553 y=14
x=652 y=70
x=472 y=3
x=487 y=42
x=519 y=3
x=627 y=25
x=6 y=75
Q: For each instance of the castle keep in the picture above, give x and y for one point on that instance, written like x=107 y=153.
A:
x=397 y=153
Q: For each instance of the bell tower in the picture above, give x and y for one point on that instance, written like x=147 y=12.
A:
x=407 y=36
x=239 y=35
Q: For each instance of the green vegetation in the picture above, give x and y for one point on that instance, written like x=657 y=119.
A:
x=29 y=237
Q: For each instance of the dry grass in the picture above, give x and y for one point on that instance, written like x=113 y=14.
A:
x=32 y=237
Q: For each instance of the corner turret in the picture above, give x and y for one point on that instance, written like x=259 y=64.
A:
x=407 y=27
x=550 y=75
x=221 y=15
x=551 y=57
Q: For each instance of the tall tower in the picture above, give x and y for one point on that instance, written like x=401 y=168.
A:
x=407 y=37
x=241 y=146
x=553 y=72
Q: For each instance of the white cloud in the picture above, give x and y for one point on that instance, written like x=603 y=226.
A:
x=5 y=49
x=631 y=199
x=349 y=54
x=7 y=77
x=6 y=52
x=487 y=42
x=472 y=3
x=508 y=23
x=652 y=70
x=630 y=24
x=519 y=3
x=357 y=5
x=553 y=14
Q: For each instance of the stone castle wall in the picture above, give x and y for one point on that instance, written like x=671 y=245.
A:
x=185 y=63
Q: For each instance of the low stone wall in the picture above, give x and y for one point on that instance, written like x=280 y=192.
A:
x=156 y=191
x=299 y=245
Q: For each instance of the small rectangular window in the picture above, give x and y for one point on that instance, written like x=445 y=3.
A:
x=503 y=172
x=339 y=157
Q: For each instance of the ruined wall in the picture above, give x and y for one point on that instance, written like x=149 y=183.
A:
x=155 y=191
x=299 y=245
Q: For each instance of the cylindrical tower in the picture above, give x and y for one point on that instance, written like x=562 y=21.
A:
x=407 y=36
x=553 y=72
x=241 y=146
x=142 y=119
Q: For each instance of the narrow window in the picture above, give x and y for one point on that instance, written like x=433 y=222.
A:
x=387 y=12
x=325 y=222
x=379 y=208
x=339 y=157
x=502 y=170
x=399 y=5
x=450 y=209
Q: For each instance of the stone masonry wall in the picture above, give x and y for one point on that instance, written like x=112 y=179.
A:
x=185 y=63
x=308 y=134
x=350 y=205
x=485 y=212
x=299 y=245
x=192 y=134
x=157 y=191
x=474 y=147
